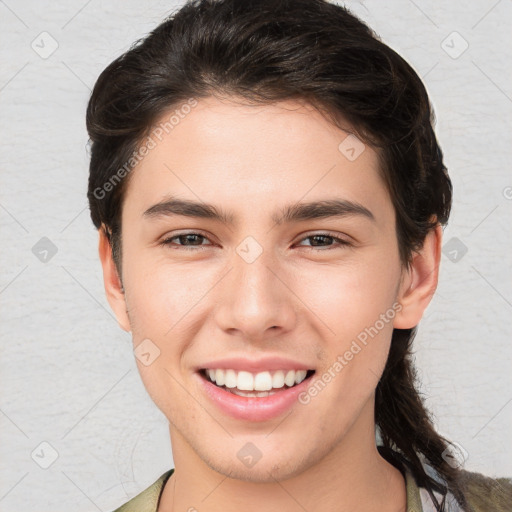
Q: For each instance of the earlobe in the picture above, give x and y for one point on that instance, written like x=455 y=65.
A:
x=113 y=286
x=419 y=281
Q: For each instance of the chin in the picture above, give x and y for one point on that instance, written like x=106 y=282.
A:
x=263 y=473
x=271 y=466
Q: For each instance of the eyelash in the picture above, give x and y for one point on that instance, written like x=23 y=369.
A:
x=340 y=242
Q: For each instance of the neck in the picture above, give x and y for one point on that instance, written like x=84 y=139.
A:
x=353 y=476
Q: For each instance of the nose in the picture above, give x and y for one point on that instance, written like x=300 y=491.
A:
x=256 y=301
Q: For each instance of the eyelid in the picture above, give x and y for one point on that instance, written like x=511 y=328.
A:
x=340 y=240
x=166 y=238
x=325 y=232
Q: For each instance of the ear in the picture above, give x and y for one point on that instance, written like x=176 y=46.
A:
x=113 y=286
x=419 y=281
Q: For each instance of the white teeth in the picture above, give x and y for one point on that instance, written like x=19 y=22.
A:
x=244 y=382
x=278 y=379
x=219 y=377
x=259 y=394
x=230 y=380
x=261 y=382
x=289 y=380
x=300 y=375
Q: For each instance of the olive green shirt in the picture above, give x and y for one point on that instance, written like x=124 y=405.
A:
x=484 y=495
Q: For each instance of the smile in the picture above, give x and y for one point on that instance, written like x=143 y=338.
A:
x=252 y=396
x=261 y=384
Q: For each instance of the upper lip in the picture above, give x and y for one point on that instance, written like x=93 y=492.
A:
x=255 y=365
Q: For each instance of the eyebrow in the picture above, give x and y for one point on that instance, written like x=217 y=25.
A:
x=296 y=212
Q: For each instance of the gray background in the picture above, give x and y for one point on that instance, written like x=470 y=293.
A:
x=68 y=376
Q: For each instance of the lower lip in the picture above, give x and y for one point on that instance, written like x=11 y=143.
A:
x=253 y=408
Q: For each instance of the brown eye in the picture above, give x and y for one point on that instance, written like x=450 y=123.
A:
x=326 y=240
x=187 y=240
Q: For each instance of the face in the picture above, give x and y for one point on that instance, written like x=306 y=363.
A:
x=247 y=281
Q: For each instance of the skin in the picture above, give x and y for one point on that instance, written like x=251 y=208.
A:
x=203 y=301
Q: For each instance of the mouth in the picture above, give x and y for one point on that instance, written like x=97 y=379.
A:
x=252 y=396
x=260 y=385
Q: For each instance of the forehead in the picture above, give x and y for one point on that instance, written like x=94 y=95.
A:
x=226 y=151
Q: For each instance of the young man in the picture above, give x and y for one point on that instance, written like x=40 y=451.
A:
x=269 y=194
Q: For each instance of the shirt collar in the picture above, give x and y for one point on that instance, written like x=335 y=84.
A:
x=148 y=500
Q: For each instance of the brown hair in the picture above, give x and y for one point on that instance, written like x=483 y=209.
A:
x=265 y=51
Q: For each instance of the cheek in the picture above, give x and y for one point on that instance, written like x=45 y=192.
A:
x=166 y=305
x=354 y=308
x=161 y=295
x=354 y=315
x=349 y=298
x=166 y=389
